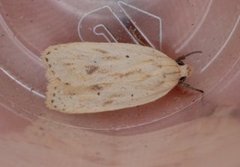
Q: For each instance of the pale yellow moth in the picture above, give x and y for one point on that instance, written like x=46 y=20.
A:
x=95 y=77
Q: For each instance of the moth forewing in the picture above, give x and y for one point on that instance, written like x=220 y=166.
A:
x=94 y=77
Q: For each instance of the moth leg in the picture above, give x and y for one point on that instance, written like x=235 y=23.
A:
x=181 y=58
x=186 y=85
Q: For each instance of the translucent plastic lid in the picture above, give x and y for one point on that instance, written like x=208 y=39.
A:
x=174 y=27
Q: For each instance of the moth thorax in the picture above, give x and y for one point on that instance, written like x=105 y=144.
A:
x=185 y=70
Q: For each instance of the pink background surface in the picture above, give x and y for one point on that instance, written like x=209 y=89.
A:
x=182 y=129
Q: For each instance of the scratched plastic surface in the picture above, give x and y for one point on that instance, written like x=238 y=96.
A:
x=27 y=27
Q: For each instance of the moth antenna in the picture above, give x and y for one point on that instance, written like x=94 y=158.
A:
x=186 y=85
x=181 y=58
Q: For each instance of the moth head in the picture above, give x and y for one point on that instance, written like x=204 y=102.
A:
x=185 y=71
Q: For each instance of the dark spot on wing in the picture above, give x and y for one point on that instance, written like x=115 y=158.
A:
x=71 y=93
x=164 y=75
x=161 y=82
x=96 y=87
x=91 y=69
x=110 y=58
x=67 y=64
x=101 y=51
x=107 y=102
x=121 y=75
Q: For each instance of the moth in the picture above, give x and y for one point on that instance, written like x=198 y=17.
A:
x=86 y=77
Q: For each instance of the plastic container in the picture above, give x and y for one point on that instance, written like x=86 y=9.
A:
x=182 y=129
